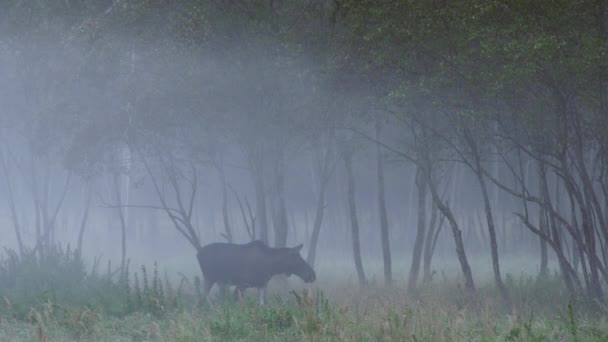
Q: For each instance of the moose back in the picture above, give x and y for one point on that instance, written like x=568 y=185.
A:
x=250 y=265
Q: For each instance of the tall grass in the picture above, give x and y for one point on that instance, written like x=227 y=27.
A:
x=60 y=299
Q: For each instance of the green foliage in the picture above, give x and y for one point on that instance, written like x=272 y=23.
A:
x=60 y=282
x=571 y=322
x=536 y=292
x=147 y=299
x=226 y=325
x=59 y=276
x=341 y=313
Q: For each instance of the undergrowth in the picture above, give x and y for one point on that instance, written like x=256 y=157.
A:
x=59 y=298
x=59 y=279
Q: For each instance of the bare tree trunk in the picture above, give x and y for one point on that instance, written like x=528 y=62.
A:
x=182 y=215
x=589 y=199
x=421 y=185
x=45 y=220
x=37 y=209
x=477 y=169
x=542 y=226
x=260 y=202
x=248 y=217
x=347 y=157
x=576 y=252
x=586 y=248
x=325 y=168
x=85 y=216
x=543 y=245
x=256 y=159
x=469 y=284
x=550 y=236
x=44 y=207
x=225 y=216
x=281 y=228
x=384 y=234
x=11 y=202
x=493 y=244
x=494 y=250
x=428 y=245
x=123 y=223
x=569 y=275
x=319 y=213
x=595 y=289
x=575 y=256
x=549 y=215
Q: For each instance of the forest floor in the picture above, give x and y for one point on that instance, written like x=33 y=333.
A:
x=63 y=298
x=342 y=311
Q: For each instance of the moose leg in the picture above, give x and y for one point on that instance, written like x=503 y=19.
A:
x=238 y=293
x=262 y=295
x=223 y=291
x=207 y=285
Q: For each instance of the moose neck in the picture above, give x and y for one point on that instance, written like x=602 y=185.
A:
x=276 y=265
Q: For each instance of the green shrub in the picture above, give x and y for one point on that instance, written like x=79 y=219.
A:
x=60 y=278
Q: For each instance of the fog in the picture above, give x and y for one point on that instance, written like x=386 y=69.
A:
x=135 y=133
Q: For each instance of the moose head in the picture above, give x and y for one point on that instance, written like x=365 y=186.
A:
x=292 y=263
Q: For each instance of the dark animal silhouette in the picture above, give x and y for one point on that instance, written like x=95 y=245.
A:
x=250 y=265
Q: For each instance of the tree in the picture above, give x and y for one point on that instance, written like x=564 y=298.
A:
x=324 y=167
x=346 y=153
x=384 y=233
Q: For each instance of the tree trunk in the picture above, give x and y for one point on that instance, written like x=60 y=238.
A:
x=542 y=226
x=421 y=185
x=85 y=216
x=428 y=245
x=225 y=216
x=589 y=202
x=352 y=207
x=45 y=220
x=477 y=168
x=595 y=290
x=123 y=223
x=570 y=277
x=281 y=228
x=37 y=210
x=46 y=227
x=12 y=205
x=469 y=284
x=576 y=252
x=260 y=202
x=492 y=234
x=552 y=236
x=325 y=170
x=314 y=240
x=384 y=234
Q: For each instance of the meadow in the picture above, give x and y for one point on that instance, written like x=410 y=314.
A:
x=62 y=298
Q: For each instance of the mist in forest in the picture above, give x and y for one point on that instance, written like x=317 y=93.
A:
x=138 y=131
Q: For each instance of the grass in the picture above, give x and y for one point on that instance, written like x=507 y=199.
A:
x=342 y=312
x=58 y=299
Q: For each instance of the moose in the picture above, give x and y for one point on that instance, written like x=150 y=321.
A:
x=250 y=265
